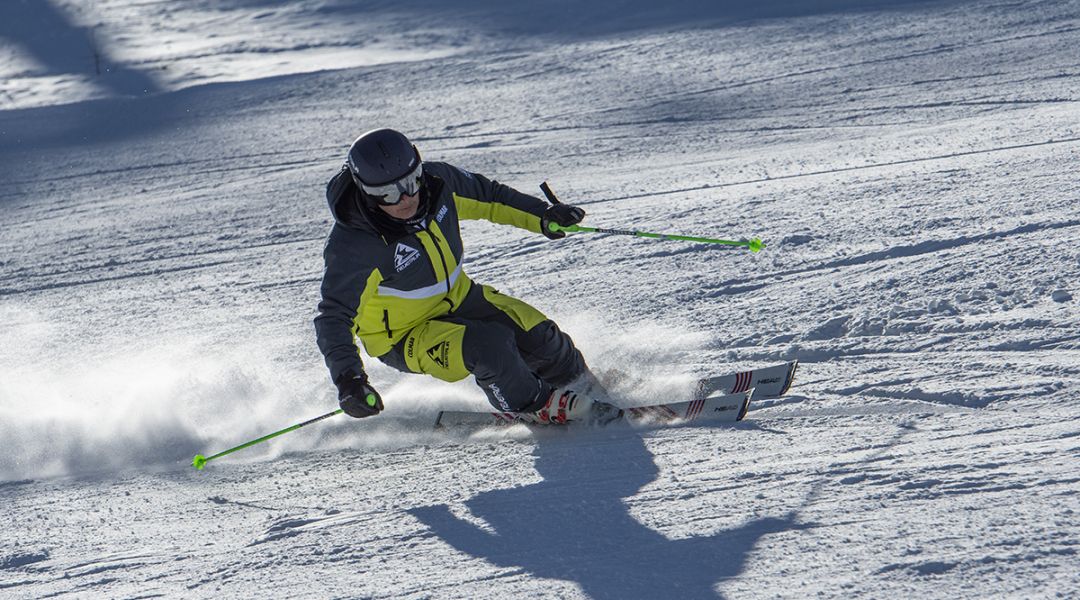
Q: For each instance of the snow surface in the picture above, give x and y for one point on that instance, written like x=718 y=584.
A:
x=911 y=166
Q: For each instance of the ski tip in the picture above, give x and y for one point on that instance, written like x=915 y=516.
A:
x=790 y=377
x=745 y=408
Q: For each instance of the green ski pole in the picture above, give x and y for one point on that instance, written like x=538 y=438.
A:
x=754 y=244
x=200 y=461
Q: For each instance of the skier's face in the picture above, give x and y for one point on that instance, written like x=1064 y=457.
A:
x=405 y=209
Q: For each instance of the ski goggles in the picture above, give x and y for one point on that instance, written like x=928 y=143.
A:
x=389 y=194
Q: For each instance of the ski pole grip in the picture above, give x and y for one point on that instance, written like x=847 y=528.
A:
x=544 y=187
x=555 y=228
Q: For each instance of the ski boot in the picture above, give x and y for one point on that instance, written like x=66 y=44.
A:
x=565 y=405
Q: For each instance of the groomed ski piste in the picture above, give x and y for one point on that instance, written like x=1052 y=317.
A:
x=911 y=166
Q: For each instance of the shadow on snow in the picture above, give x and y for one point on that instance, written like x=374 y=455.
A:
x=59 y=47
x=575 y=526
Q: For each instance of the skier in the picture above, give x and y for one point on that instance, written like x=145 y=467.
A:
x=393 y=280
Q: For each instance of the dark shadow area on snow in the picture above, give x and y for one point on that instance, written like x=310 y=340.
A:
x=574 y=526
x=58 y=46
x=53 y=40
x=575 y=19
x=77 y=131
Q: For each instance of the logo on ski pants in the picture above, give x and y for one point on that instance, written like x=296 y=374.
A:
x=435 y=348
x=495 y=391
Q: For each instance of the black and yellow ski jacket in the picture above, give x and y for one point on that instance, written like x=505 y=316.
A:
x=382 y=278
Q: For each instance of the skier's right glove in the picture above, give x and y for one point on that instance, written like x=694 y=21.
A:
x=356 y=397
x=564 y=215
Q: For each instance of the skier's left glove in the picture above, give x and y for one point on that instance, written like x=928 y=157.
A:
x=564 y=215
x=356 y=397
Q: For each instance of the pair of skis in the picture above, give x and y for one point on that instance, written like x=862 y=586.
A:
x=719 y=398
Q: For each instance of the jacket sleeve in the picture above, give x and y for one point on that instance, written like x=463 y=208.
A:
x=343 y=283
x=477 y=197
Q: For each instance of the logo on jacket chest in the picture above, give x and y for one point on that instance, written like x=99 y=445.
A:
x=404 y=256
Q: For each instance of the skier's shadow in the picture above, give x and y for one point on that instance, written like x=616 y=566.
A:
x=574 y=526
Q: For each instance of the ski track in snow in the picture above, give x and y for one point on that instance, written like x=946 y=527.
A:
x=911 y=167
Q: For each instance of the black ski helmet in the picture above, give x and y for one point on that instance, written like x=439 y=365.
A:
x=381 y=156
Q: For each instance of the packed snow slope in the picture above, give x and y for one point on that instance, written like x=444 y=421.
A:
x=911 y=166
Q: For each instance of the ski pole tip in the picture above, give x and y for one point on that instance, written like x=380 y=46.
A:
x=199 y=462
x=755 y=245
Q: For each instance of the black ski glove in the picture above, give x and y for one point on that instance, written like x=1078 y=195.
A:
x=356 y=397
x=564 y=215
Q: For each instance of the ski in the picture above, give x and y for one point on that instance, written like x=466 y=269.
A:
x=767 y=382
x=725 y=407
